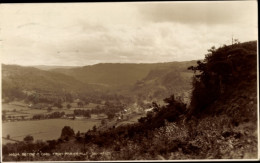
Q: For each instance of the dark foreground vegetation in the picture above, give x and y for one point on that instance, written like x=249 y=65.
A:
x=220 y=123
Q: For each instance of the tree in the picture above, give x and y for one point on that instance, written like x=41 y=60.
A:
x=28 y=139
x=103 y=122
x=108 y=104
x=3 y=117
x=222 y=69
x=49 y=109
x=69 y=97
x=67 y=132
x=86 y=101
x=80 y=104
x=97 y=107
x=68 y=106
x=170 y=100
x=58 y=104
x=236 y=41
x=94 y=128
x=78 y=136
x=38 y=116
x=156 y=107
x=110 y=115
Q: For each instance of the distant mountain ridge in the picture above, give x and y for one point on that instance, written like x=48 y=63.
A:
x=159 y=79
x=119 y=74
x=31 y=78
x=45 y=67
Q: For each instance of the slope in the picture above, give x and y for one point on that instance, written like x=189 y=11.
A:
x=117 y=74
x=29 y=78
x=162 y=82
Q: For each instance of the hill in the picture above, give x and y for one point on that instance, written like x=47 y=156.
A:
x=220 y=123
x=164 y=81
x=44 y=67
x=158 y=79
x=30 y=78
x=153 y=81
x=118 y=74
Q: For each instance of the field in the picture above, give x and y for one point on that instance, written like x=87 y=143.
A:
x=133 y=118
x=44 y=129
x=51 y=128
x=21 y=109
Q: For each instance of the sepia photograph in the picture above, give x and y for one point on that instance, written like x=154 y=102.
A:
x=129 y=81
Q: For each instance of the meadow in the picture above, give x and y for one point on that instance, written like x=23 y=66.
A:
x=48 y=129
x=18 y=109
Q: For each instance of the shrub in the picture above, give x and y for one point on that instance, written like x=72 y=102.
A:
x=28 y=139
x=67 y=133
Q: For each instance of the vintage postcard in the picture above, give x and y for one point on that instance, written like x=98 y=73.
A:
x=129 y=81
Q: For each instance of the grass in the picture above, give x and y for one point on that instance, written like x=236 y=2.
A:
x=10 y=107
x=132 y=119
x=29 y=112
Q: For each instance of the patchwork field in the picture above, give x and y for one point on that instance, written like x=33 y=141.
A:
x=21 y=109
x=48 y=129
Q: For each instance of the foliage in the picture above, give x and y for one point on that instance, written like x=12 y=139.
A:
x=79 y=112
x=28 y=139
x=222 y=69
x=10 y=93
x=223 y=93
x=49 y=109
x=68 y=106
x=172 y=112
x=48 y=116
x=67 y=132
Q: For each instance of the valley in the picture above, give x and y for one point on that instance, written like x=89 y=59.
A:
x=177 y=110
x=105 y=95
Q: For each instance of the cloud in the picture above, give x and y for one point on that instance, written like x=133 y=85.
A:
x=210 y=13
x=83 y=34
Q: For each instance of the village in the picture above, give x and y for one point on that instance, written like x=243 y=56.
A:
x=22 y=114
x=19 y=111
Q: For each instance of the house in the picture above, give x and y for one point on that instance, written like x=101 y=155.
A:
x=70 y=116
x=79 y=117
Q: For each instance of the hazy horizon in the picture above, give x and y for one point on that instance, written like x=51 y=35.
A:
x=81 y=34
x=97 y=64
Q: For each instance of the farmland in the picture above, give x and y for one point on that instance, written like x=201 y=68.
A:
x=15 y=111
x=47 y=129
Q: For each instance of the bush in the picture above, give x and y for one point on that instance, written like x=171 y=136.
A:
x=28 y=139
x=67 y=133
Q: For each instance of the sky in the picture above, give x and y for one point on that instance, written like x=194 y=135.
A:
x=79 y=34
